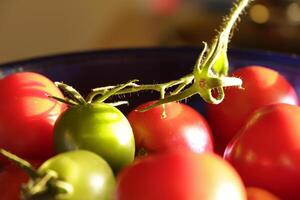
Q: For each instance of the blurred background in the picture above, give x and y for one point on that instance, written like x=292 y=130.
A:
x=32 y=28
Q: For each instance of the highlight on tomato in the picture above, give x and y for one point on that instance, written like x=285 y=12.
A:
x=261 y=86
x=266 y=150
x=182 y=128
x=27 y=114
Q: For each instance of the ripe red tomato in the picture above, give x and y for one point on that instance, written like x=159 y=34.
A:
x=266 y=152
x=178 y=176
x=183 y=128
x=262 y=86
x=254 y=193
x=27 y=115
x=11 y=179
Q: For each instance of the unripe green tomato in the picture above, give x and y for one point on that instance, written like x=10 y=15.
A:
x=98 y=127
x=89 y=176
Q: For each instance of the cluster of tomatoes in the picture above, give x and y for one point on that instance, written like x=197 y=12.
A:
x=245 y=148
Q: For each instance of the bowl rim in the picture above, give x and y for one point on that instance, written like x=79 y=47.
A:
x=243 y=52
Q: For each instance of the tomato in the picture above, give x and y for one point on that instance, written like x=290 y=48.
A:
x=266 y=152
x=262 y=86
x=183 y=128
x=87 y=176
x=180 y=175
x=254 y=193
x=97 y=127
x=11 y=179
x=27 y=114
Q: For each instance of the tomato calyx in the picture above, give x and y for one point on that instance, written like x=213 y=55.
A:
x=41 y=186
x=75 y=98
x=141 y=152
x=47 y=186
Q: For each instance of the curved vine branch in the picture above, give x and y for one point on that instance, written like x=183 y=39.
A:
x=210 y=70
x=208 y=76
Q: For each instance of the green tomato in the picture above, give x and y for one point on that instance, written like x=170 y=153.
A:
x=86 y=175
x=98 y=127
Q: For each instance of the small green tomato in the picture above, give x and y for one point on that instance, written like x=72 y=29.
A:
x=74 y=175
x=98 y=127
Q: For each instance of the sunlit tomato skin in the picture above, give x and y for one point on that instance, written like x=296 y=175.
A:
x=180 y=175
x=89 y=175
x=266 y=152
x=261 y=86
x=11 y=179
x=183 y=128
x=27 y=114
x=254 y=193
x=97 y=127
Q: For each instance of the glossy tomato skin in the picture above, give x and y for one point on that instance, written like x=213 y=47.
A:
x=254 y=193
x=11 y=179
x=180 y=175
x=27 y=114
x=261 y=86
x=90 y=175
x=100 y=128
x=266 y=150
x=183 y=128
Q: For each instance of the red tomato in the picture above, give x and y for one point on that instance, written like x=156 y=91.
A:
x=183 y=128
x=27 y=115
x=180 y=176
x=254 y=193
x=262 y=86
x=165 y=7
x=11 y=179
x=266 y=152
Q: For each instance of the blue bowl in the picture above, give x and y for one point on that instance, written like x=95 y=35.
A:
x=86 y=70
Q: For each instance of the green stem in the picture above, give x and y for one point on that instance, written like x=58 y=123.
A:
x=162 y=96
x=46 y=187
x=137 y=88
x=222 y=40
x=23 y=164
x=197 y=67
x=67 y=101
x=71 y=92
x=40 y=186
x=118 y=103
x=233 y=17
x=111 y=92
x=217 y=82
x=192 y=90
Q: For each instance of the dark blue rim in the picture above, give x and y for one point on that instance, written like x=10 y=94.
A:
x=246 y=54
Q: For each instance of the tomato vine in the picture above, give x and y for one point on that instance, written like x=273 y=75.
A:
x=209 y=73
x=208 y=78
